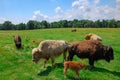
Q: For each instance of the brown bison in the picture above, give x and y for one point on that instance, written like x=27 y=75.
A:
x=75 y=66
x=17 y=40
x=91 y=49
x=92 y=36
x=49 y=49
x=73 y=30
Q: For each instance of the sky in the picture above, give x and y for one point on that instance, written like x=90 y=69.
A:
x=21 y=11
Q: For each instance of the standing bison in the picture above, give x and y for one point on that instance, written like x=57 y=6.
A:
x=17 y=40
x=49 y=49
x=73 y=30
x=91 y=49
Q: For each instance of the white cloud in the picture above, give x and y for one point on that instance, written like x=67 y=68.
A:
x=79 y=9
x=75 y=3
x=96 y=1
x=82 y=9
x=39 y=16
x=79 y=3
x=2 y=20
x=58 y=10
x=117 y=10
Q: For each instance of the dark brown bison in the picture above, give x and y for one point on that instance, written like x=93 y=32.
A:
x=91 y=49
x=73 y=30
x=17 y=40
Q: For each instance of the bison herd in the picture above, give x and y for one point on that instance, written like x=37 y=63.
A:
x=91 y=48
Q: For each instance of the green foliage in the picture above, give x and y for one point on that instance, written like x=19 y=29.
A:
x=17 y=64
x=32 y=24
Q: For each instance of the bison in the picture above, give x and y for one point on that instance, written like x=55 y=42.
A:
x=73 y=30
x=92 y=36
x=17 y=41
x=75 y=66
x=49 y=49
x=94 y=50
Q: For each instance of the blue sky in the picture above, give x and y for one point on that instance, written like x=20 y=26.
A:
x=18 y=11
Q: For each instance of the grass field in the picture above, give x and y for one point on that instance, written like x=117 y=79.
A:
x=17 y=64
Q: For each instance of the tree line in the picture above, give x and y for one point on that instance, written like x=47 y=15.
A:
x=32 y=24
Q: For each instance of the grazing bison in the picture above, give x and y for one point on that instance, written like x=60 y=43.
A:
x=73 y=30
x=75 y=66
x=91 y=49
x=17 y=40
x=49 y=49
x=93 y=37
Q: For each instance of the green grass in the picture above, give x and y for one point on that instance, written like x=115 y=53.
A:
x=17 y=64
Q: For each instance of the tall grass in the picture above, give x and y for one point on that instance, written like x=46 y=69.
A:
x=17 y=64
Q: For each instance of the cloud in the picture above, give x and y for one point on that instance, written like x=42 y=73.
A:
x=75 y=3
x=39 y=16
x=117 y=10
x=2 y=20
x=58 y=10
x=96 y=1
x=79 y=9
x=82 y=9
x=79 y=3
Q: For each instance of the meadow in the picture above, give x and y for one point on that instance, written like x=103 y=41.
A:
x=17 y=64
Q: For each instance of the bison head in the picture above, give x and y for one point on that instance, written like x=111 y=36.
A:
x=35 y=55
x=72 y=51
x=108 y=53
x=18 y=45
x=87 y=37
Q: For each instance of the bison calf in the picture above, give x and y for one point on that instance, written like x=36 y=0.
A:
x=94 y=50
x=75 y=66
x=17 y=40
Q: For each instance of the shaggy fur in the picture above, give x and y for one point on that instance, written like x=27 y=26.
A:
x=75 y=66
x=91 y=49
x=49 y=49
x=17 y=41
x=93 y=37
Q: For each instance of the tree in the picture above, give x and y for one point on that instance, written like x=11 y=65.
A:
x=98 y=24
x=1 y=26
x=54 y=25
x=70 y=23
x=7 y=25
x=21 y=26
x=30 y=24
x=118 y=24
x=112 y=23
x=63 y=23
x=75 y=21
x=45 y=24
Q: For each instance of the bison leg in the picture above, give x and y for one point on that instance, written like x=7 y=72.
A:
x=91 y=62
x=71 y=54
x=64 y=55
x=77 y=73
x=45 y=62
x=53 y=60
x=70 y=57
x=65 y=70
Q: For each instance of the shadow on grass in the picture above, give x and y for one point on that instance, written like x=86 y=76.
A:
x=46 y=72
x=115 y=73
x=49 y=69
x=73 y=78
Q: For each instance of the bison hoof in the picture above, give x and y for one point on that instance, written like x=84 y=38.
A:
x=91 y=68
